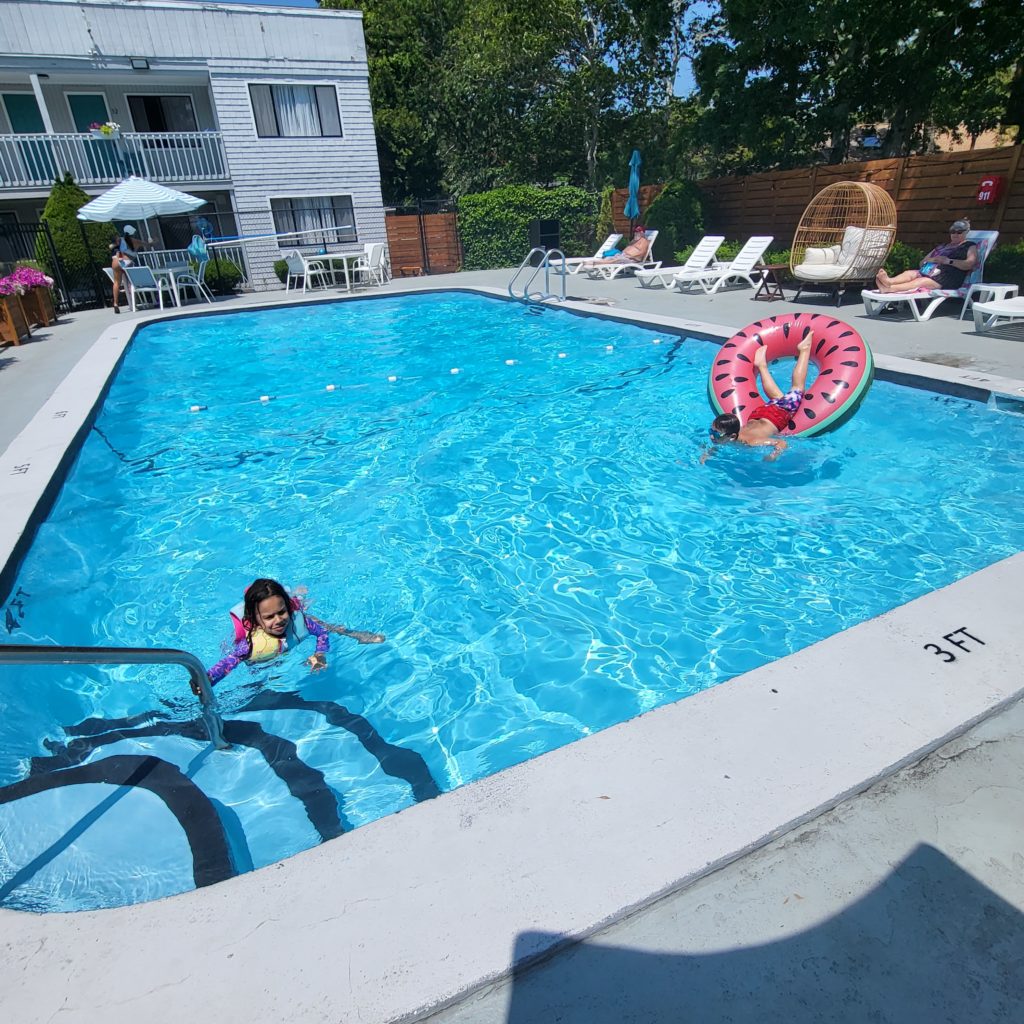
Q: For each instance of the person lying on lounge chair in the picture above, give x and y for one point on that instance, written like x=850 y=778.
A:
x=636 y=252
x=945 y=266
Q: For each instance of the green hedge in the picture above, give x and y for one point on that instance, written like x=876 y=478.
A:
x=66 y=198
x=222 y=276
x=678 y=215
x=1005 y=264
x=495 y=225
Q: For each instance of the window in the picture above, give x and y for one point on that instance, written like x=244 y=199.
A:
x=162 y=113
x=320 y=219
x=87 y=109
x=295 y=111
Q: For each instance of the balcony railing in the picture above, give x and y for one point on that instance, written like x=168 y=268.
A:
x=32 y=161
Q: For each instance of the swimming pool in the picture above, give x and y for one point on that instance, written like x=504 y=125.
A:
x=533 y=533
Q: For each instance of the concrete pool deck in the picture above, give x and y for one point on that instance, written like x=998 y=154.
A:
x=412 y=912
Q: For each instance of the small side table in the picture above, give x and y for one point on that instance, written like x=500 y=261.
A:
x=986 y=291
x=410 y=271
x=771 y=281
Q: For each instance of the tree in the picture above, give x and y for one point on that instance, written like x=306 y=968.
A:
x=66 y=199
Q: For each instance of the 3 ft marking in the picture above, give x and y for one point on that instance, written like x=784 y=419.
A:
x=959 y=638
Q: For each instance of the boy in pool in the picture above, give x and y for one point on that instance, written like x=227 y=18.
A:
x=766 y=421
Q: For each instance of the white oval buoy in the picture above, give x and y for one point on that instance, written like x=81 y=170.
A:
x=265 y=398
x=510 y=362
x=330 y=387
x=609 y=348
x=454 y=369
x=657 y=341
x=392 y=379
x=561 y=355
x=196 y=408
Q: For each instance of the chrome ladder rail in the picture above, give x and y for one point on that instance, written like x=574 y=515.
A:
x=545 y=265
x=30 y=654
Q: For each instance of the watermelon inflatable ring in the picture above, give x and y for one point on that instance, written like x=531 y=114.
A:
x=844 y=362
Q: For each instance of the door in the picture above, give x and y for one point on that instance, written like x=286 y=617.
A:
x=88 y=109
x=23 y=113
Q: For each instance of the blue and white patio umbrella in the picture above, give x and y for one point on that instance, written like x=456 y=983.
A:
x=139 y=199
x=632 y=210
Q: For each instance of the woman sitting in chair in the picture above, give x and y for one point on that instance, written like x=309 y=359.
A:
x=124 y=249
x=945 y=266
x=636 y=252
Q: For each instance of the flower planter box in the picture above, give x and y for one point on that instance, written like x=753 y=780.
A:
x=13 y=323
x=38 y=306
x=97 y=134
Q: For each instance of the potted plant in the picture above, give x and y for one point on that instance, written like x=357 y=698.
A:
x=37 y=299
x=13 y=323
x=106 y=130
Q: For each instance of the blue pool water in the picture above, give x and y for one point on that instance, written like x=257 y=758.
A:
x=536 y=538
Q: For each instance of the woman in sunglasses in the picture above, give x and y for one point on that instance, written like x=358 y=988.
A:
x=945 y=266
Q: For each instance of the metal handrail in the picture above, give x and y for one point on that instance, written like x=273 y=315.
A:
x=545 y=265
x=31 y=654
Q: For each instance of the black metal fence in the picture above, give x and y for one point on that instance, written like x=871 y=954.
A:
x=80 y=287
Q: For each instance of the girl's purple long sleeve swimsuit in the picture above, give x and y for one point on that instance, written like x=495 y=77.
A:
x=243 y=649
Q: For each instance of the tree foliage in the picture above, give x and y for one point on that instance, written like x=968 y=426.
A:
x=60 y=214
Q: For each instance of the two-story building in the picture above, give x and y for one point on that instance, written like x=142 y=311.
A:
x=262 y=111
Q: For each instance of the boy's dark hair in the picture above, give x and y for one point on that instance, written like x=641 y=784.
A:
x=257 y=591
x=728 y=425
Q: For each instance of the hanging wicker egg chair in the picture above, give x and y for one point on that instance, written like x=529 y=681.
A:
x=843 y=237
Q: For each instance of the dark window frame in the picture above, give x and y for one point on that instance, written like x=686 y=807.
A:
x=329 y=234
x=320 y=93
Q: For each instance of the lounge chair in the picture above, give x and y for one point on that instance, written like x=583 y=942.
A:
x=703 y=253
x=987 y=314
x=609 y=271
x=741 y=268
x=143 y=281
x=931 y=298
x=574 y=264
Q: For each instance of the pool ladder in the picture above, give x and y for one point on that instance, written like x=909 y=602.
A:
x=29 y=654
x=525 y=295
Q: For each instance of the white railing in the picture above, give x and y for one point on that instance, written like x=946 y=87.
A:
x=35 y=160
x=233 y=251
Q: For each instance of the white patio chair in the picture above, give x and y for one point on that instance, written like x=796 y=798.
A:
x=609 y=271
x=371 y=263
x=574 y=264
x=143 y=281
x=196 y=280
x=703 y=253
x=875 y=301
x=741 y=268
x=299 y=267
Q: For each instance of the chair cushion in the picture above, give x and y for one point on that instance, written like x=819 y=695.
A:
x=820 y=271
x=814 y=255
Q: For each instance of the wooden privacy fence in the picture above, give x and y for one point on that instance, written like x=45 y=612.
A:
x=930 y=192
x=423 y=243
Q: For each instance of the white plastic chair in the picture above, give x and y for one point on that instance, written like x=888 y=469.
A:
x=574 y=264
x=609 y=271
x=196 y=281
x=307 y=270
x=741 y=268
x=876 y=301
x=371 y=263
x=142 y=281
x=703 y=253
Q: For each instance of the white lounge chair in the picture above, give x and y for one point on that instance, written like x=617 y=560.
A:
x=930 y=299
x=573 y=264
x=988 y=314
x=609 y=271
x=741 y=268
x=143 y=281
x=703 y=253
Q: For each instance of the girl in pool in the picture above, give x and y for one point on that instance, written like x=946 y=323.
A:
x=271 y=623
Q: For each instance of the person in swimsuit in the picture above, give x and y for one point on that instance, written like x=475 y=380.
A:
x=636 y=252
x=274 y=621
x=945 y=266
x=766 y=421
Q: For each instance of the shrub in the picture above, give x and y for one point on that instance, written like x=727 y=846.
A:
x=902 y=257
x=678 y=215
x=281 y=269
x=66 y=199
x=495 y=225
x=605 y=221
x=1006 y=264
x=222 y=276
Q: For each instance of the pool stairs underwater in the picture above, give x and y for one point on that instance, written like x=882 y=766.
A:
x=108 y=752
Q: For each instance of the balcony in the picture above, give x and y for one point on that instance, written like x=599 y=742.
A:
x=34 y=161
